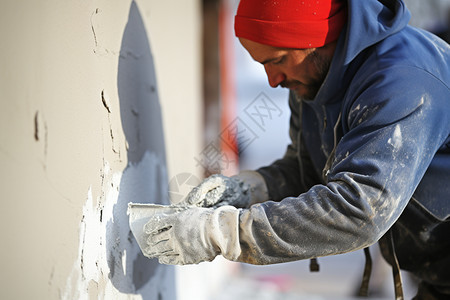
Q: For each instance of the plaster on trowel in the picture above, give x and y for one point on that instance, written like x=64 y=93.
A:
x=140 y=214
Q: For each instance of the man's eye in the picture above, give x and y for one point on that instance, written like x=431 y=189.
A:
x=280 y=61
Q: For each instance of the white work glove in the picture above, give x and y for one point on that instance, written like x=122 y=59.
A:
x=241 y=190
x=193 y=235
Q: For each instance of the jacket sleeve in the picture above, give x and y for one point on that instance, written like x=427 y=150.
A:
x=293 y=174
x=394 y=123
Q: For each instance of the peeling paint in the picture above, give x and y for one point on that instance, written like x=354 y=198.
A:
x=104 y=102
x=93 y=29
x=40 y=129
x=107 y=255
x=41 y=134
x=36 y=126
x=107 y=106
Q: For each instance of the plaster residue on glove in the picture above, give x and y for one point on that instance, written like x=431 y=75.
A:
x=185 y=235
x=219 y=190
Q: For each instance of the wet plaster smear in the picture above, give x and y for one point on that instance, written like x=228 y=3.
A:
x=108 y=256
x=109 y=263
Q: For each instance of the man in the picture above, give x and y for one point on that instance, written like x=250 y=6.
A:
x=370 y=153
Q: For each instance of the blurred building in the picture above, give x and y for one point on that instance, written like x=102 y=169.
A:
x=431 y=15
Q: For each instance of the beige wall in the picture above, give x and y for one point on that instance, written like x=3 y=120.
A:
x=100 y=105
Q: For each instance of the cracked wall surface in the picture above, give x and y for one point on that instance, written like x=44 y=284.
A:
x=90 y=121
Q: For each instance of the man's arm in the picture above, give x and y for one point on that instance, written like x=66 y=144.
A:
x=394 y=130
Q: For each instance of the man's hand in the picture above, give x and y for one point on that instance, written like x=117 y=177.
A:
x=193 y=235
x=218 y=190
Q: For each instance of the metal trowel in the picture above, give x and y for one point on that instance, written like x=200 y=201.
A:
x=139 y=214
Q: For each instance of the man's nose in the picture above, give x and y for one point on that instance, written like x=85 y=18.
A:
x=274 y=75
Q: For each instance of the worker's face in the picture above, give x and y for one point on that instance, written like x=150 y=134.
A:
x=301 y=70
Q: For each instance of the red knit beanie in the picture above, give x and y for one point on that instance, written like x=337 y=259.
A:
x=291 y=23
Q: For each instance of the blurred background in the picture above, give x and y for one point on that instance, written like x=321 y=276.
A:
x=110 y=102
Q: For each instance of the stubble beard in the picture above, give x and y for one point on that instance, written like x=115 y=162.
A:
x=322 y=65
